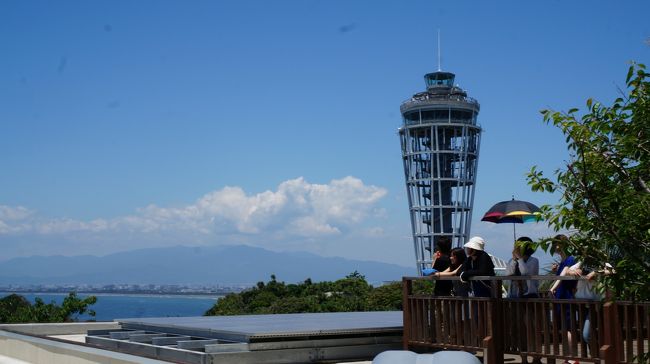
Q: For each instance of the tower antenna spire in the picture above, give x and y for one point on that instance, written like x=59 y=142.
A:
x=439 y=68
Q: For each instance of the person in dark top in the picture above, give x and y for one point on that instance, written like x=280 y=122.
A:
x=478 y=263
x=562 y=289
x=440 y=263
x=457 y=258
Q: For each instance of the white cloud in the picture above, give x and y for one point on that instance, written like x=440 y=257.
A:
x=374 y=232
x=12 y=219
x=13 y=213
x=62 y=226
x=295 y=209
x=308 y=226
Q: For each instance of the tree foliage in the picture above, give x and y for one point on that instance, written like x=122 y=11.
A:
x=604 y=187
x=17 y=309
x=352 y=293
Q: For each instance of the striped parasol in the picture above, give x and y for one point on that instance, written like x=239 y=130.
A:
x=513 y=211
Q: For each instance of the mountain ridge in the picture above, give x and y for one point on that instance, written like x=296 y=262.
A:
x=223 y=265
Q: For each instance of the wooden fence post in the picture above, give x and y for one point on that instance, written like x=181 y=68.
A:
x=407 y=290
x=489 y=354
x=495 y=342
x=608 y=351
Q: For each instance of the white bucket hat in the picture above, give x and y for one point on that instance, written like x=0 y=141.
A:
x=476 y=243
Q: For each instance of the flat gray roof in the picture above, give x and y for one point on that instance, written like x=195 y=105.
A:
x=251 y=327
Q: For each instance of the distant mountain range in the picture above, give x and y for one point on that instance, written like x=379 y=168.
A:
x=227 y=265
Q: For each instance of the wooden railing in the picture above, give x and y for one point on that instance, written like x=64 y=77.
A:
x=634 y=323
x=617 y=332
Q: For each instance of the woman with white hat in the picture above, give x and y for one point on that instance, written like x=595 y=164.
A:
x=479 y=263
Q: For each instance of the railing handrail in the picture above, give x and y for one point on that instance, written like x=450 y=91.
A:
x=439 y=97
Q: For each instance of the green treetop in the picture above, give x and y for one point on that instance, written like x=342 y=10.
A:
x=352 y=293
x=16 y=309
x=605 y=186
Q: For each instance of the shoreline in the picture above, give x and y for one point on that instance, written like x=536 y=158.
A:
x=132 y=294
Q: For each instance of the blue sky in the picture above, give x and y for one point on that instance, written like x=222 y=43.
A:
x=128 y=125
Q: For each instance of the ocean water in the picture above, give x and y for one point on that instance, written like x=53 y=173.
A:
x=115 y=306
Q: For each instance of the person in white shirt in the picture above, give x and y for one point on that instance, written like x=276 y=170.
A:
x=586 y=291
x=523 y=263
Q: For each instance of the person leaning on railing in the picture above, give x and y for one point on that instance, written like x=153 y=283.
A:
x=441 y=262
x=479 y=263
x=457 y=258
x=586 y=290
x=562 y=289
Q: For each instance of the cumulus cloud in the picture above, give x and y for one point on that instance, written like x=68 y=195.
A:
x=9 y=213
x=12 y=219
x=296 y=208
x=374 y=232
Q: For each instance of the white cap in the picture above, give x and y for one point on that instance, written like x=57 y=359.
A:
x=476 y=243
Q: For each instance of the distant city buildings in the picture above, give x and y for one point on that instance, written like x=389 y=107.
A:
x=168 y=289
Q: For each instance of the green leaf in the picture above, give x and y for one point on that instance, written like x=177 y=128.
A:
x=630 y=72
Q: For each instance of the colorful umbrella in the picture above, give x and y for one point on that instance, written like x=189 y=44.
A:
x=513 y=211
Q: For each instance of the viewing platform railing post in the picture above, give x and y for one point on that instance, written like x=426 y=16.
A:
x=407 y=290
x=608 y=351
x=494 y=342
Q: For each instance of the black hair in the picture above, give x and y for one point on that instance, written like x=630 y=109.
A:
x=560 y=240
x=460 y=255
x=560 y=244
x=444 y=245
x=527 y=245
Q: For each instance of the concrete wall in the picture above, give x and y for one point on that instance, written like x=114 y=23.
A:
x=67 y=328
x=39 y=350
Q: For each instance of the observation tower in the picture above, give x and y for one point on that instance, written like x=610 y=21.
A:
x=440 y=141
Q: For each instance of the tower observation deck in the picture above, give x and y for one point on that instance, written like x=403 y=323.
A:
x=440 y=141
